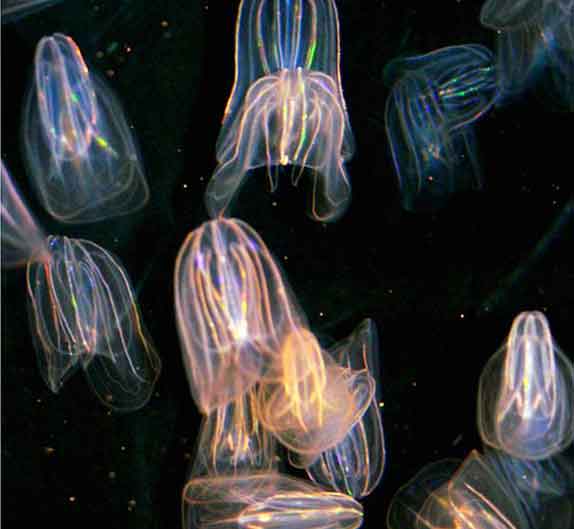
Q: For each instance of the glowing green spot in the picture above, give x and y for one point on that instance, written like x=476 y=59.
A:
x=311 y=55
x=102 y=142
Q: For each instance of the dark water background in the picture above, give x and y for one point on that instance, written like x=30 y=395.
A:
x=443 y=288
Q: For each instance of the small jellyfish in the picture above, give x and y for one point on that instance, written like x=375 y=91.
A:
x=83 y=313
x=355 y=465
x=431 y=160
x=266 y=501
x=232 y=441
x=525 y=395
x=22 y=238
x=286 y=106
x=233 y=307
x=308 y=401
x=80 y=152
x=464 y=76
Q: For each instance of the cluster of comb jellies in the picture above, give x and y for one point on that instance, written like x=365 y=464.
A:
x=525 y=478
x=260 y=377
x=84 y=167
x=437 y=97
x=286 y=106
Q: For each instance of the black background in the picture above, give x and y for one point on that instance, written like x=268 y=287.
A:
x=442 y=287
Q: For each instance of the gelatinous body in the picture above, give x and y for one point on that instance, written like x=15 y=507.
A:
x=535 y=39
x=233 y=308
x=464 y=77
x=537 y=484
x=22 y=239
x=309 y=402
x=525 y=397
x=431 y=160
x=233 y=441
x=83 y=313
x=286 y=106
x=355 y=465
x=80 y=152
x=266 y=501
x=474 y=497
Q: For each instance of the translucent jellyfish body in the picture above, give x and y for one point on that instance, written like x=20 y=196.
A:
x=534 y=38
x=526 y=393
x=83 y=313
x=286 y=106
x=266 y=501
x=431 y=160
x=474 y=496
x=464 y=77
x=233 y=442
x=539 y=485
x=22 y=238
x=81 y=154
x=355 y=465
x=309 y=402
x=233 y=308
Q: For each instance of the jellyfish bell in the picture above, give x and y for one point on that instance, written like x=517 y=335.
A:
x=355 y=465
x=81 y=155
x=525 y=405
x=286 y=106
x=290 y=117
x=233 y=307
x=312 y=403
x=83 y=313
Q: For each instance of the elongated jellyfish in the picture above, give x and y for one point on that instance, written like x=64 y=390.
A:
x=286 y=106
x=233 y=309
x=81 y=154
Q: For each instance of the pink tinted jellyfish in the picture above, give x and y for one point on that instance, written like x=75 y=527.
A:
x=526 y=393
x=233 y=307
x=266 y=501
x=355 y=465
x=286 y=106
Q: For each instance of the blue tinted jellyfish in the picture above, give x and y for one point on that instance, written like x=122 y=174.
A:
x=535 y=39
x=525 y=396
x=286 y=106
x=80 y=152
x=464 y=75
x=430 y=160
x=435 y=100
